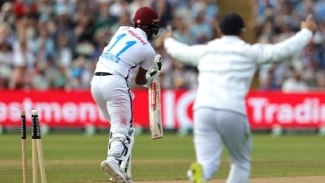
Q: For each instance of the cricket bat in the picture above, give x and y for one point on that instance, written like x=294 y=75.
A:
x=156 y=129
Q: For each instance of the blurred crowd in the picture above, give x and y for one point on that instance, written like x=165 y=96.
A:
x=56 y=43
x=275 y=21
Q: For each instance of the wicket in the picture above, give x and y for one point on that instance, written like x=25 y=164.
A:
x=23 y=145
x=36 y=148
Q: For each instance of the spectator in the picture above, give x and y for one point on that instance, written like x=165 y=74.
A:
x=312 y=74
x=39 y=80
x=135 y=5
x=179 y=75
x=119 y=8
x=270 y=82
x=104 y=20
x=305 y=7
x=294 y=83
x=24 y=7
x=286 y=30
x=164 y=10
x=84 y=29
x=201 y=31
x=211 y=11
x=192 y=78
x=61 y=78
x=208 y=6
x=44 y=75
x=320 y=10
x=23 y=62
x=26 y=23
x=81 y=74
x=310 y=54
x=64 y=52
x=6 y=42
x=321 y=82
x=102 y=36
x=181 y=31
x=287 y=14
x=45 y=7
x=84 y=32
x=123 y=20
x=6 y=15
x=65 y=6
x=44 y=46
x=64 y=25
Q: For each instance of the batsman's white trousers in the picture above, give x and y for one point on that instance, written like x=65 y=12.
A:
x=212 y=129
x=114 y=98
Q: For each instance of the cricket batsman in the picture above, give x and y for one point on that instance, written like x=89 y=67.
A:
x=129 y=54
x=226 y=68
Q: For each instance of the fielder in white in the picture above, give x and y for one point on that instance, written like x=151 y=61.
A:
x=226 y=68
x=128 y=54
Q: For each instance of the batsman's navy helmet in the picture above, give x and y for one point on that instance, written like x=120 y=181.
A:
x=147 y=19
x=232 y=24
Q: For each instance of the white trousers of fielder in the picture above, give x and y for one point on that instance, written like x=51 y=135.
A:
x=212 y=129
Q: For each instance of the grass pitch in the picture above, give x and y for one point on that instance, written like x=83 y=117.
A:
x=75 y=158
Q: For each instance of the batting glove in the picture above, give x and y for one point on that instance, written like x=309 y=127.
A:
x=151 y=76
x=153 y=73
x=157 y=62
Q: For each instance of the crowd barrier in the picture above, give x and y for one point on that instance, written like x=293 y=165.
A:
x=77 y=109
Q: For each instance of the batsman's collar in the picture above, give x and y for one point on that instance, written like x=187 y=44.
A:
x=142 y=32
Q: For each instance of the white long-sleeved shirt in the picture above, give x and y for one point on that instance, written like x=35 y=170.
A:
x=128 y=50
x=227 y=66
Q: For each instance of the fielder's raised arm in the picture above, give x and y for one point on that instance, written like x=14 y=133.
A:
x=263 y=53
x=182 y=52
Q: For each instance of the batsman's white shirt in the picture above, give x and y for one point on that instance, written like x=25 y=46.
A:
x=128 y=50
x=227 y=65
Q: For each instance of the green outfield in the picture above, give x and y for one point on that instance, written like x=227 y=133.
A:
x=75 y=158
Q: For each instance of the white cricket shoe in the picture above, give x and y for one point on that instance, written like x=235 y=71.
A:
x=111 y=168
x=129 y=180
